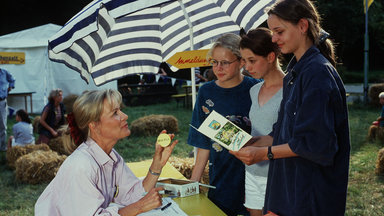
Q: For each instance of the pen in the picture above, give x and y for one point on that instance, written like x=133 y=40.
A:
x=166 y=206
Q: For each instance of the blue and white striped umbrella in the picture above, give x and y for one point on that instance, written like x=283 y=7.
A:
x=110 y=39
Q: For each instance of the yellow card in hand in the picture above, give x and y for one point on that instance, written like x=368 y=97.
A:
x=164 y=139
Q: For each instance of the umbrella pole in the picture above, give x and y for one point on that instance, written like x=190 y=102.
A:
x=193 y=81
x=192 y=69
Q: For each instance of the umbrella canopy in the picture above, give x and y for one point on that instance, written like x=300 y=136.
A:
x=111 y=39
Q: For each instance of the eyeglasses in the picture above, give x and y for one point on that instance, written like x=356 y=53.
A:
x=223 y=64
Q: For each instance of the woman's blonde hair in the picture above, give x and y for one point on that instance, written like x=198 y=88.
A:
x=86 y=109
x=89 y=107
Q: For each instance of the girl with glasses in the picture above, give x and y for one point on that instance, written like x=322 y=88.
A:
x=229 y=96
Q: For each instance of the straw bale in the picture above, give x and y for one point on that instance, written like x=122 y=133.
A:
x=373 y=93
x=17 y=151
x=185 y=167
x=380 y=134
x=68 y=102
x=380 y=162
x=372 y=132
x=376 y=132
x=152 y=125
x=35 y=124
x=38 y=166
x=60 y=143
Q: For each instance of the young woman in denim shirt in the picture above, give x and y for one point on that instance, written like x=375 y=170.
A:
x=309 y=145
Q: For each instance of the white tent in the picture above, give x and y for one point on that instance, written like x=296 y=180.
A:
x=39 y=74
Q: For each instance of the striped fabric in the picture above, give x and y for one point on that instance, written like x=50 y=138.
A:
x=107 y=42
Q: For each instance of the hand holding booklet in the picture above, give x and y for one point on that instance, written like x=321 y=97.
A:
x=223 y=131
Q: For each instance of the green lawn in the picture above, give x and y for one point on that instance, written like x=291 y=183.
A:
x=365 y=192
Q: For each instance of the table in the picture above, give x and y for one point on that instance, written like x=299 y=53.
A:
x=25 y=95
x=198 y=204
x=146 y=94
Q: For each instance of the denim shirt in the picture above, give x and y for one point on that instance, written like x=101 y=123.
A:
x=313 y=120
x=6 y=80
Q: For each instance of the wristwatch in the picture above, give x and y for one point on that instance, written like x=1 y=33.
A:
x=270 y=154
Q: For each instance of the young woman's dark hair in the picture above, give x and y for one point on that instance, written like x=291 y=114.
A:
x=23 y=115
x=259 y=42
x=294 y=10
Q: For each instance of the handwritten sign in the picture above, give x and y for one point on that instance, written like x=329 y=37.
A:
x=12 y=58
x=164 y=140
x=189 y=59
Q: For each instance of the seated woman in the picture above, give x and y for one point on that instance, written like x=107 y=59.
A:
x=95 y=175
x=22 y=131
x=52 y=117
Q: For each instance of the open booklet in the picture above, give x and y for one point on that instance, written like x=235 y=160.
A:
x=223 y=131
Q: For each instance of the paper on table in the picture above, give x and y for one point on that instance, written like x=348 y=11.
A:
x=172 y=210
x=223 y=131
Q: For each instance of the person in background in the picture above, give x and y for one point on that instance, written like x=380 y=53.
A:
x=22 y=131
x=380 y=119
x=52 y=117
x=7 y=82
x=229 y=96
x=207 y=75
x=94 y=179
x=379 y=123
x=260 y=56
x=309 y=146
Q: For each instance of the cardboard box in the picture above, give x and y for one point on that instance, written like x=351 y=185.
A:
x=180 y=188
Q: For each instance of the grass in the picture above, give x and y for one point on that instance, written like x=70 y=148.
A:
x=349 y=76
x=365 y=190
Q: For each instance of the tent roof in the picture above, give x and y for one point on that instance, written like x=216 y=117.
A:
x=32 y=37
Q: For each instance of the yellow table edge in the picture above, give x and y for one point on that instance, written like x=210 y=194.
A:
x=191 y=205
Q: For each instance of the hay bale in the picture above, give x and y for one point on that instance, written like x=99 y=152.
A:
x=68 y=102
x=152 y=125
x=373 y=93
x=35 y=124
x=17 y=151
x=380 y=162
x=372 y=133
x=375 y=132
x=38 y=166
x=380 y=134
x=60 y=143
x=185 y=167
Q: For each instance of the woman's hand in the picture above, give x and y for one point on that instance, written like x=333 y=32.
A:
x=251 y=154
x=54 y=133
x=162 y=154
x=150 y=201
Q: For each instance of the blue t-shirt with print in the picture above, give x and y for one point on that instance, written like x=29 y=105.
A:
x=226 y=172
